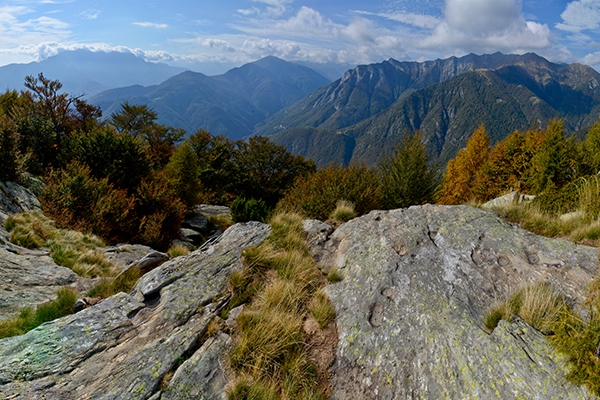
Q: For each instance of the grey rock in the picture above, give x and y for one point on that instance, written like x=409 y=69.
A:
x=30 y=279
x=124 y=254
x=201 y=377
x=211 y=211
x=197 y=222
x=15 y=199
x=507 y=199
x=190 y=235
x=572 y=215
x=147 y=263
x=410 y=307
x=122 y=347
x=317 y=232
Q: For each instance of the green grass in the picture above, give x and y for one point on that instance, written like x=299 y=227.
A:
x=70 y=249
x=280 y=285
x=29 y=318
x=122 y=283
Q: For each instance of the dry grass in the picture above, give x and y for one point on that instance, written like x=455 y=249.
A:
x=75 y=250
x=322 y=309
x=344 y=211
x=537 y=304
x=281 y=284
x=178 y=250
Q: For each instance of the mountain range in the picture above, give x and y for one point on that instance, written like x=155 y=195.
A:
x=365 y=113
x=84 y=72
x=231 y=104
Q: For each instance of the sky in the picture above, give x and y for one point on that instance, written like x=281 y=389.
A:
x=213 y=35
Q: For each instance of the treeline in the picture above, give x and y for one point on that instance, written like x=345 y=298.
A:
x=128 y=178
x=545 y=163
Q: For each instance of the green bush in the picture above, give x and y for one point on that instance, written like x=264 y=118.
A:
x=559 y=201
x=244 y=210
x=316 y=195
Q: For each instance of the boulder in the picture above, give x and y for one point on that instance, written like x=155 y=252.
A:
x=127 y=346
x=506 y=200
x=15 y=199
x=416 y=284
x=29 y=279
x=197 y=222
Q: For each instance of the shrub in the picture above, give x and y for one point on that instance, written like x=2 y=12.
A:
x=9 y=153
x=315 y=196
x=589 y=196
x=243 y=210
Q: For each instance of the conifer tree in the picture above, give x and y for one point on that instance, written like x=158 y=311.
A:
x=406 y=176
x=458 y=185
x=552 y=165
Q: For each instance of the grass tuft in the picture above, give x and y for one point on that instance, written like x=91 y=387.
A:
x=322 y=309
x=344 y=211
x=280 y=284
x=178 y=250
x=29 y=318
x=70 y=249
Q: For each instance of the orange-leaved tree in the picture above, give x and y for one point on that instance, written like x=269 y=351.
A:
x=461 y=172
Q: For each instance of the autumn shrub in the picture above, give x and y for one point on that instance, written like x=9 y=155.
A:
x=160 y=212
x=316 y=195
x=244 y=210
x=9 y=152
x=75 y=199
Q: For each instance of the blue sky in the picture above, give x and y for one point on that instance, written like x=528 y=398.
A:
x=216 y=35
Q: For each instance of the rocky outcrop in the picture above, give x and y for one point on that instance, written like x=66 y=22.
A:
x=416 y=283
x=16 y=199
x=29 y=279
x=149 y=343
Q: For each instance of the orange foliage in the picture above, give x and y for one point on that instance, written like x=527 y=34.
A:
x=458 y=185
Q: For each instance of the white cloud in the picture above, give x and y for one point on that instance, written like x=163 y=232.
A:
x=92 y=13
x=487 y=26
x=413 y=19
x=151 y=25
x=580 y=15
x=220 y=43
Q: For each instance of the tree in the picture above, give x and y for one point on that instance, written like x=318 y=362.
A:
x=592 y=148
x=267 y=170
x=555 y=163
x=182 y=174
x=9 y=154
x=461 y=172
x=406 y=176
x=46 y=118
x=140 y=121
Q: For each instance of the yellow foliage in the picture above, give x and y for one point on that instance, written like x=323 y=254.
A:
x=461 y=172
